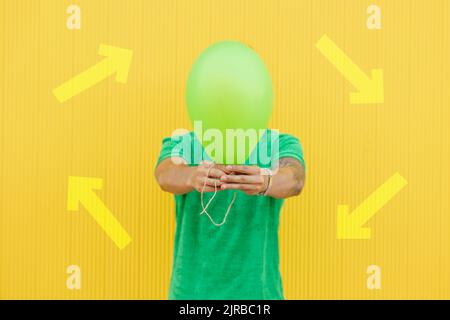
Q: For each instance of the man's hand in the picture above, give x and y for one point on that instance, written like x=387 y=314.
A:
x=288 y=180
x=248 y=179
x=209 y=172
x=175 y=176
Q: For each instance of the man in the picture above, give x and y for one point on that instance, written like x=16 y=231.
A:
x=234 y=257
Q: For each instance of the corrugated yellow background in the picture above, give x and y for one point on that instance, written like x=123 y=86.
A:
x=113 y=131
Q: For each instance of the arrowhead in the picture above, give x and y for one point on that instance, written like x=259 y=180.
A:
x=371 y=91
x=349 y=226
x=79 y=189
x=120 y=60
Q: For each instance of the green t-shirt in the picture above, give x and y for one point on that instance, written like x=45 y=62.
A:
x=238 y=260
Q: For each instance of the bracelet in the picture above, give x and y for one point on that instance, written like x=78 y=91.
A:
x=269 y=182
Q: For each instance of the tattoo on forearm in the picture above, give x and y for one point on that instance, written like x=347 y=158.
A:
x=297 y=168
x=285 y=162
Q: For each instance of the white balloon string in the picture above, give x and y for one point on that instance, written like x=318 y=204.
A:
x=210 y=200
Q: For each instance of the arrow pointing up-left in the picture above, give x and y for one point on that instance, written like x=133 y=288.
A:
x=117 y=61
x=81 y=190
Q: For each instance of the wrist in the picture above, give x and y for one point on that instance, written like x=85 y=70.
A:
x=190 y=177
x=267 y=175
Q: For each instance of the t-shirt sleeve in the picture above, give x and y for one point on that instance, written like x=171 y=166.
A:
x=173 y=147
x=290 y=147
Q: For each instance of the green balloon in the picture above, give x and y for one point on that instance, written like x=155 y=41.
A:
x=229 y=87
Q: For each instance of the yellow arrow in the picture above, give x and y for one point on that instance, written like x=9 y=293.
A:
x=349 y=226
x=370 y=90
x=117 y=61
x=80 y=190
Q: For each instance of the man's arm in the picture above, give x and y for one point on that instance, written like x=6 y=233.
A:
x=175 y=176
x=287 y=181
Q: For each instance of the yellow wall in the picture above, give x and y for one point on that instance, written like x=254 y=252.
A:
x=112 y=131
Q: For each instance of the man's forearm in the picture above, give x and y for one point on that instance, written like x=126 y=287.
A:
x=174 y=178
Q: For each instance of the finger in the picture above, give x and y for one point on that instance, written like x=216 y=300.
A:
x=251 y=170
x=223 y=168
x=253 y=179
x=239 y=186
x=211 y=182
x=206 y=163
x=207 y=189
x=216 y=173
x=212 y=168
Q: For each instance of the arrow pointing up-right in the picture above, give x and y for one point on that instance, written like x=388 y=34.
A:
x=117 y=61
